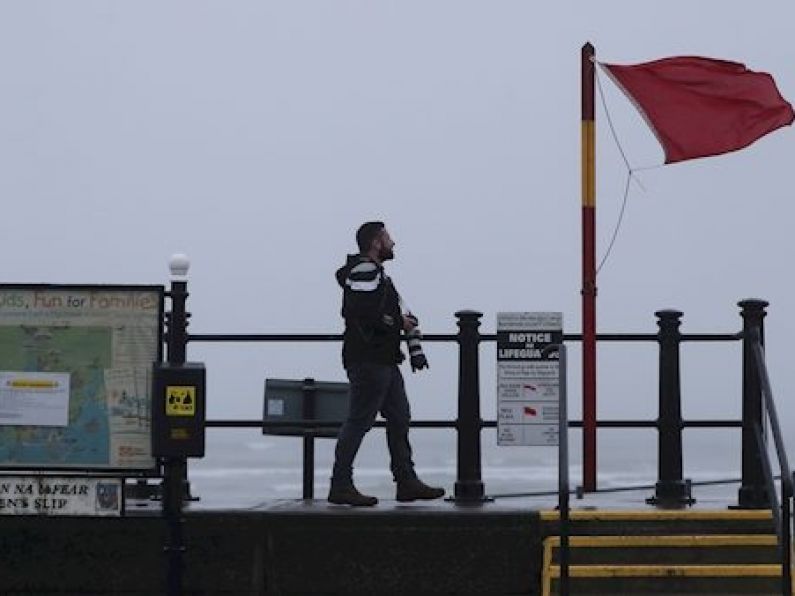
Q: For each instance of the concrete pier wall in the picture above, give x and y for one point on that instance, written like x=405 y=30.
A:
x=285 y=549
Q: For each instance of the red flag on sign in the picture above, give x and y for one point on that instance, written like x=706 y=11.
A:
x=700 y=106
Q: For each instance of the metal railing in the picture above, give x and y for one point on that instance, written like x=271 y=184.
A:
x=671 y=489
x=781 y=506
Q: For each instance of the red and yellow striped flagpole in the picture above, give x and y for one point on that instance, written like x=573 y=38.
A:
x=588 y=269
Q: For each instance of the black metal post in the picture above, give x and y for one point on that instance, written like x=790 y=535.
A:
x=752 y=493
x=172 y=511
x=563 y=470
x=308 y=413
x=786 y=545
x=469 y=486
x=671 y=491
x=178 y=323
x=175 y=468
x=177 y=337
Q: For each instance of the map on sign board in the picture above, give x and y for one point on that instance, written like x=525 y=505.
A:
x=75 y=375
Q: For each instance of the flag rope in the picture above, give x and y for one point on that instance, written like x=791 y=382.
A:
x=630 y=173
x=618 y=223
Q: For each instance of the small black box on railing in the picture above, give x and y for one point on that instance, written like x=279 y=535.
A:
x=178 y=410
x=307 y=400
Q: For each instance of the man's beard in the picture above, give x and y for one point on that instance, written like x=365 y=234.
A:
x=386 y=254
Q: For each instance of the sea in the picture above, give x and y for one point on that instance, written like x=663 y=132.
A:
x=244 y=468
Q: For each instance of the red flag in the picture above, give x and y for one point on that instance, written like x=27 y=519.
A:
x=700 y=106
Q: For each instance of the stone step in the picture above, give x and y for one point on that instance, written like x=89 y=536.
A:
x=676 y=549
x=661 y=522
x=665 y=552
x=668 y=579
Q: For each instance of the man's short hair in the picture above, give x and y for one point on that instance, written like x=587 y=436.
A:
x=367 y=233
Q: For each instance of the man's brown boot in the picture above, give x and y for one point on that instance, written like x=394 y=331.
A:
x=348 y=495
x=413 y=489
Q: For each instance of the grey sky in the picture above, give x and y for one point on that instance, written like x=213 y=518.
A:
x=255 y=136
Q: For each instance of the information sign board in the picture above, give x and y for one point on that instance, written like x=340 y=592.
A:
x=528 y=392
x=75 y=376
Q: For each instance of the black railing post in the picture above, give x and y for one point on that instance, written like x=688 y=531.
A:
x=469 y=486
x=671 y=491
x=178 y=323
x=175 y=468
x=786 y=545
x=177 y=337
x=752 y=493
x=308 y=413
x=172 y=511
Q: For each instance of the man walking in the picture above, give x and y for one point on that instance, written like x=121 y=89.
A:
x=371 y=353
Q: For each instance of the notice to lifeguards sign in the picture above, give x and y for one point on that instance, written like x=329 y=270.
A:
x=528 y=391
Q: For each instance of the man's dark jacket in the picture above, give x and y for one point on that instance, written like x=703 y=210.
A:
x=371 y=309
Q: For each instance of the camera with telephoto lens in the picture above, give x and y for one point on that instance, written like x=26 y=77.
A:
x=414 y=339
